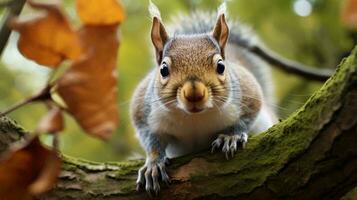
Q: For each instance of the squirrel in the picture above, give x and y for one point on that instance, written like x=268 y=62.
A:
x=205 y=91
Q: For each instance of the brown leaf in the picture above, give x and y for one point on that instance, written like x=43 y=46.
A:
x=349 y=14
x=89 y=87
x=28 y=170
x=52 y=122
x=48 y=176
x=47 y=39
x=103 y=12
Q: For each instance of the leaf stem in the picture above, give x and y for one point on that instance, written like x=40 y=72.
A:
x=55 y=142
x=44 y=95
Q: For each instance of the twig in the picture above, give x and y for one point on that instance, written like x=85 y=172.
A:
x=14 y=9
x=17 y=106
x=55 y=142
x=45 y=94
x=289 y=66
x=308 y=72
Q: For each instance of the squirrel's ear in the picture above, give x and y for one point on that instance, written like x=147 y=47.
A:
x=221 y=32
x=159 y=38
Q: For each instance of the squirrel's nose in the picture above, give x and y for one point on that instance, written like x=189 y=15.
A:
x=193 y=97
x=194 y=91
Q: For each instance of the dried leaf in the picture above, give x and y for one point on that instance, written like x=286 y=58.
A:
x=28 y=170
x=47 y=39
x=89 y=87
x=103 y=12
x=52 y=122
x=349 y=14
x=48 y=176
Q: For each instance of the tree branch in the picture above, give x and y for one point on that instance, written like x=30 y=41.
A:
x=292 y=67
x=308 y=72
x=310 y=155
x=14 y=9
x=10 y=132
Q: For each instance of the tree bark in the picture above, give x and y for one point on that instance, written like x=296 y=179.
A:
x=310 y=155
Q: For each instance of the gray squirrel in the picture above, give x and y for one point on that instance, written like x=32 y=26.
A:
x=204 y=92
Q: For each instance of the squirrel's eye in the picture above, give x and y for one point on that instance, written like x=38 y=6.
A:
x=220 y=67
x=164 y=70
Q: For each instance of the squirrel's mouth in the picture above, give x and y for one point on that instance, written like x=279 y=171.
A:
x=195 y=110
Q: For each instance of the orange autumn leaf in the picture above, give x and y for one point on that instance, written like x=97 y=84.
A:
x=49 y=175
x=89 y=87
x=28 y=171
x=349 y=14
x=52 y=122
x=47 y=39
x=103 y=12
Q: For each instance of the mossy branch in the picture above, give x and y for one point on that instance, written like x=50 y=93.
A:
x=310 y=155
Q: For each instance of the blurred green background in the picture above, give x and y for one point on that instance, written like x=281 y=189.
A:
x=309 y=31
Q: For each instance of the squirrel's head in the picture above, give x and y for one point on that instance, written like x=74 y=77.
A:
x=191 y=72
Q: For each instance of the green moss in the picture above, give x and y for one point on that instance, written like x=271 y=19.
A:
x=127 y=186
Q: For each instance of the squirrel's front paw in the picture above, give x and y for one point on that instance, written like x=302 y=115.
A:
x=229 y=143
x=149 y=174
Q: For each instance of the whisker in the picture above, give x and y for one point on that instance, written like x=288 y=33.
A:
x=163 y=105
x=254 y=98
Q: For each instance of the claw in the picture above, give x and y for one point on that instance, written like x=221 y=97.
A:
x=226 y=144
x=216 y=143
x=155 y=180
x=149 y=176
x=232 y=153
x=230 y=143
x=164 y=177
x=141 y=179
x=213 y=148
x=148 y=180
x=227 y=155
x=233 y=146
x=244 y=139
x=139 y=186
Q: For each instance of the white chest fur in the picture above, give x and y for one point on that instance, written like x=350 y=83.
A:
x=188 y=128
